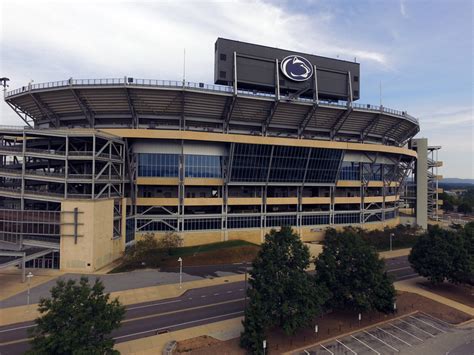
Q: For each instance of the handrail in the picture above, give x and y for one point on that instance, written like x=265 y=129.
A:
x=133 y=82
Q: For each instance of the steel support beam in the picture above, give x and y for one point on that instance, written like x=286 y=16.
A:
x=307 y=118
x=84 y=107
x=343 y=116
x=371 y=125
x=231 y=102
x=44 y=108
x=269 y=118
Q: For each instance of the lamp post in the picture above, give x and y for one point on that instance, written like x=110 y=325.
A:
x=391 y=237
x=180 y=272
x=28 y=277
x=245 y=288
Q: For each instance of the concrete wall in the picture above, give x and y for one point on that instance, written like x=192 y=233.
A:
x=257 y=236
x=422 y=182
x=95 y=246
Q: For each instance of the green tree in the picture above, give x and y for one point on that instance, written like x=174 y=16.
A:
x=353 y=272
x=441 y=255
x=77 y=319
x=431 y=256
x=282 y=294
x=464 y=208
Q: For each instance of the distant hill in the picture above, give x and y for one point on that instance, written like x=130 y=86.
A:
x=456 y=181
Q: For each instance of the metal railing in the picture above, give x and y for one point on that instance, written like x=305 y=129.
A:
x=133 y=82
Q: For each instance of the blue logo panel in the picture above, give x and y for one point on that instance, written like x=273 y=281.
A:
x=297 y=68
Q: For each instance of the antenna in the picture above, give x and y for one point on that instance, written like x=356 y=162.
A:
x=184 y=66
x=380 y=87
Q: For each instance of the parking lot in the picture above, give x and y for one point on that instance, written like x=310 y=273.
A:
x=390 y=338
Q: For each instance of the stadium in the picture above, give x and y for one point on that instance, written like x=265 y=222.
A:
x=278 y=139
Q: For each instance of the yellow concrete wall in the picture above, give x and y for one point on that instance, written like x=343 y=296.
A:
x=156 y=181
x=242 y=138
x=203 y=201
x=250 y=235
x=95 y=246
x=347 y=199
x=157 y=201
x=373 y=199
x=203 y=182
x=307 y=234
x=316 y=200
x=244 y=201
x=282 y=200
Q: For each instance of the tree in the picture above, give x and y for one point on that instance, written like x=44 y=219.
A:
x=282 y=294
x=354 y=274
x=431 y=256
x=464 y=208
x=441 y=255
x=77 y=319
x=169 y=241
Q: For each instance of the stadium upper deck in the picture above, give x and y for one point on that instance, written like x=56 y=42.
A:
x=160 y=104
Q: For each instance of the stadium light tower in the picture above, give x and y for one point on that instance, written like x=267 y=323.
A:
x=3 y=82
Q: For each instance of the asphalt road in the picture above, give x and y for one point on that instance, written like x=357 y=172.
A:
x=195 y=307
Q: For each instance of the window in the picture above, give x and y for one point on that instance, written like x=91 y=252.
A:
x=158 y=165
x=281 y=220
x=315 y=220
x=223 y=57
x=202 y=224
x=347 y=218
x=349 y=171
x=203 y=166
x=356 y=78
x=236 y=222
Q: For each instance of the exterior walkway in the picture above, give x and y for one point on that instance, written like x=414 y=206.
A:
x=412 y=286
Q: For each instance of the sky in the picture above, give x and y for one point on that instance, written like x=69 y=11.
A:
x=415 y=55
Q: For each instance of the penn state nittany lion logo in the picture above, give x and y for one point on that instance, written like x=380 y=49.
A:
x=296 y=68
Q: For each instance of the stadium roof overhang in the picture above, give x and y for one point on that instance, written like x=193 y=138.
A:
x=142 y=103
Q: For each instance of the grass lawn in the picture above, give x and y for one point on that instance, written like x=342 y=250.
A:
x=228 y=252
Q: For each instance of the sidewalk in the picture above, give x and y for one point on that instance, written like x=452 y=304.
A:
x=12 y=285
x=223 y=330
x=395 y=253
x=153 y=293
x=412 y=286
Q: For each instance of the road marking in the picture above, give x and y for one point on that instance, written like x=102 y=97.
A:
x=360 y=341
x=17 y=328
x=403 y=341
x=182 y=310
x=340 y=342
x=406 y=276
x=424 y=331
x=229 y=291
x=326 y=349
x=436 y=319
x=216 y=294
x=151 y=305
x=190 y=298
x=410 y=334
x=432 y=326
x=373 y=336
x=241 y=289
x=400 y=268
x=203 y=296
x=178 y=325
x=16 y=341
x=307 y=352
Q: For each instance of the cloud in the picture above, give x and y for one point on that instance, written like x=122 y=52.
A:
x=402 y=8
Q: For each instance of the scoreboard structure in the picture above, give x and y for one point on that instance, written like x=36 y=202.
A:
x=280 y=71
